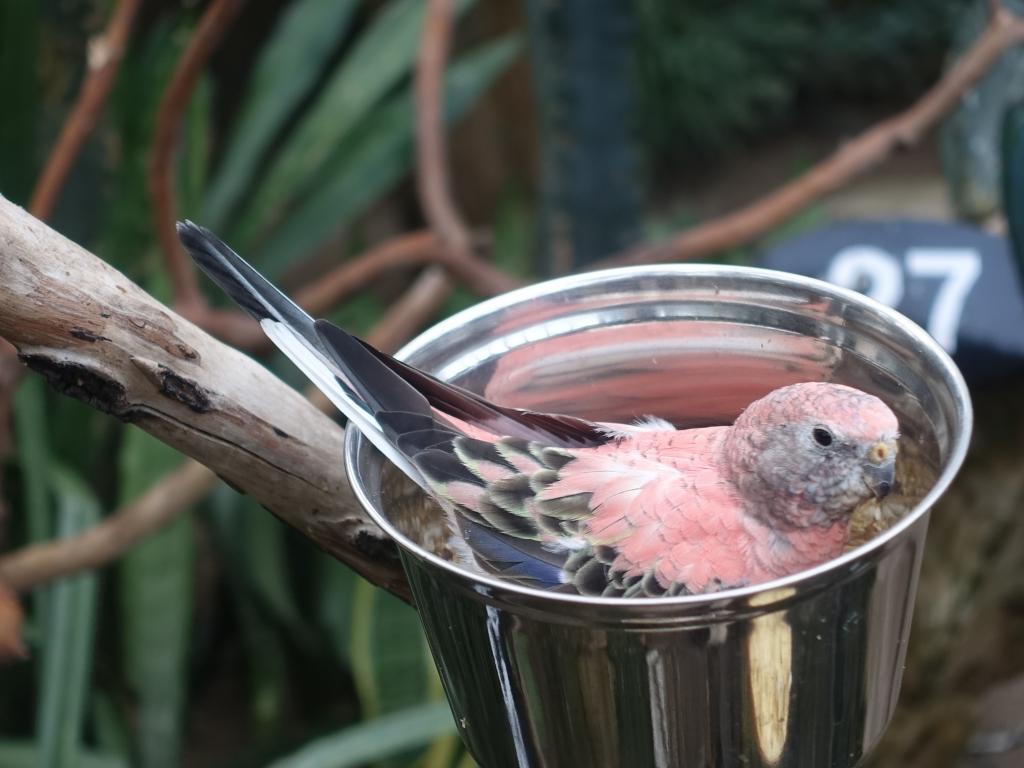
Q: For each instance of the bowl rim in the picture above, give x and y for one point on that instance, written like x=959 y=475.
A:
x=783 y=587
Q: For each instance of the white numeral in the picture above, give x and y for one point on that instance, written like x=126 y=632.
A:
x=869 y=270
x=959 y=269
x=878 y=274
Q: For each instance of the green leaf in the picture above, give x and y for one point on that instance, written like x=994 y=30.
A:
x=252 y=542
x=267 y=664
x=30 y=424
x=19 y=44
x=265 y=565
x=514 y=232
x=335 y=596
x=442 y=752
x=374 y=740
x=287 y=68
x=16 y=754
x=390 y=661
x=67 y=644
x=381 y=57
x=156 y=602
x=1013 y=180
x=194 y=151
x=109 y=726
x=376 y=157
x=126 y=237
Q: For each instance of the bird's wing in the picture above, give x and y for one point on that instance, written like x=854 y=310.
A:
x=664 y=507
x=639 y=516
x=368 y=367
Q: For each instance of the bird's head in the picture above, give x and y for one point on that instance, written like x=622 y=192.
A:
x=809 y=454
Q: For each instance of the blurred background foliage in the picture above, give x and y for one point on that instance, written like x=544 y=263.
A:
x=226 y=639
x=782 y=61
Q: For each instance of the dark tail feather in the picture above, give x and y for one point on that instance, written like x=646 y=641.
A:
x=378 y=386
x=390 y=385
x=247 y=287
x=565 y=431
x=496 y=553
x=294 y=332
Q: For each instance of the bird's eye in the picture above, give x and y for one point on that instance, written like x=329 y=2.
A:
x=822 y=437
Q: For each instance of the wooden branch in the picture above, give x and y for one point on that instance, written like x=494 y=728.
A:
x=215 y=21
x=41 y=563
x=432 y=173
x=96 y=336
x=162 y=502
x=853 y=158
x=411 y=249
x=104 y=59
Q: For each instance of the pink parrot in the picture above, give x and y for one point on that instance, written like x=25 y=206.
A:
x=561 y=503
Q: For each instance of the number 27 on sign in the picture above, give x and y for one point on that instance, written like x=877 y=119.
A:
x=880 y=275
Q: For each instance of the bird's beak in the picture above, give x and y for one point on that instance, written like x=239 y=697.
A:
x=880 y=468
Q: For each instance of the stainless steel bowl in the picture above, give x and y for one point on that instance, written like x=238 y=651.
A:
x=802 y=671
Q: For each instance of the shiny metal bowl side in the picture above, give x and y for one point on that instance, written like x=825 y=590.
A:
x=803 y=671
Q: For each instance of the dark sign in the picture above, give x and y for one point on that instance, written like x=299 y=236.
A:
x=957 y=282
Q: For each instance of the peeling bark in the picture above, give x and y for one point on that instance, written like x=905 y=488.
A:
x=96 y=336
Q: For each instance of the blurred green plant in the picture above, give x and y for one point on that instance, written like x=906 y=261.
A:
x=712 y=76
x=156 y=608
x=132 y=663
x=582 y=55
x=296 y=180
x=1012 y=180
x=972 y=134
x=67 y=634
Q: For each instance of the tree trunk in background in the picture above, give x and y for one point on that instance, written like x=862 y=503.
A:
x=590 y=198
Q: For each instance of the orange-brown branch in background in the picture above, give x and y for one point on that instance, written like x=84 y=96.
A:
x=104 y=58
x=431 y=168
x=217 y=18
x=412 y=311
x=853 y=158
x=44 y=562
x=432 y=183
x=321 y=295
x=414 y=248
